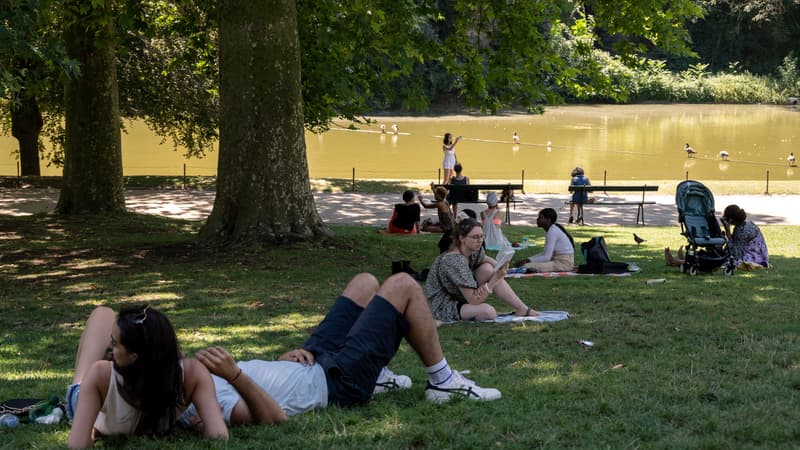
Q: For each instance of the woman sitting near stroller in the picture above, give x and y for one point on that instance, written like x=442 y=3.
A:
x=746 y=243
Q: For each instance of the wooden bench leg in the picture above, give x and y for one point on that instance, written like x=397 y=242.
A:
x=640 y=213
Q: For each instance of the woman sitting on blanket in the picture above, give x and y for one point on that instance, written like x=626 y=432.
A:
x=461 y=279
x=143 y=386
x=559 y=248
x=405 y=217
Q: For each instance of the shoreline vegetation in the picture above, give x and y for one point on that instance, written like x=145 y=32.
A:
x=380 y=186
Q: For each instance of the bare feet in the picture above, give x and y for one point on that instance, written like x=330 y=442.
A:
x=530 y=312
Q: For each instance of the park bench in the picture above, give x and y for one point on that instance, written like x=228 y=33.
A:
x=638 y=203
x=498 y=188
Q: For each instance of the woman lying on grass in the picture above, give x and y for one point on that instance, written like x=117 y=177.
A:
x=461 y=279
x=144 y=387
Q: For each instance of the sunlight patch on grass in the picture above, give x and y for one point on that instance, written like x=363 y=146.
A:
x=79 y=288
x=36 y=375
x=34 y=262
x=91 y=302
x=39 y=276
x=153 y=297
x=389 y=425
x=90 y=264
x=758 y=298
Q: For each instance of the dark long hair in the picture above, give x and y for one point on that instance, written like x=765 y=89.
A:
x=154 y=382
x=550 y=214
x=447 y=138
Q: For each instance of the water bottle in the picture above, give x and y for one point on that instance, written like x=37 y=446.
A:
x=51 y=419
x=8 y=421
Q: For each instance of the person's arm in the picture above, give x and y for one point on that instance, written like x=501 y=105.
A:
x=392 y=219
x=425 y=204
x=199 y=386
x=549 y=246
x=90 y=400
x=727 y=228
x=256 y=405
x=452 y=146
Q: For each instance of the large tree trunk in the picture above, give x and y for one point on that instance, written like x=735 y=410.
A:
x=263 y=190
x=26 y=124
x=93 y=180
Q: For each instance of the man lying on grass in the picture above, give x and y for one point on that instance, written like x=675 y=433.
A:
x=344 y=361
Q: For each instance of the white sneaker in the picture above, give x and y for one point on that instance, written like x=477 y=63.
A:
x=390 y=381
x=459 y=385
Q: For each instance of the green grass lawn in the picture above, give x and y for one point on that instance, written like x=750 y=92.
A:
x=697 y=362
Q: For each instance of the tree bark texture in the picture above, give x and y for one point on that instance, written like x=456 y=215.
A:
x=93 y=181
x=263 y=189
x=26 y=124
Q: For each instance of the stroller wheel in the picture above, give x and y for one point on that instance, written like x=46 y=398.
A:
x=728 y=270
x=693 y=270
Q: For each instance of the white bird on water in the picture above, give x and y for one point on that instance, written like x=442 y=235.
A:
x=790 y=158
x=515 y=138
x=395 y=128
x=690 y=152
x=724 y=155
x=383 y=128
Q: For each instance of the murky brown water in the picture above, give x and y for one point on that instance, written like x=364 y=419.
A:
x=639 y=142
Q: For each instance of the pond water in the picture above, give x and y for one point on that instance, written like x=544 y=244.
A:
x=628 y=142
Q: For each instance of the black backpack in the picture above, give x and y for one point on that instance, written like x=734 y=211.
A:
x=596 y=259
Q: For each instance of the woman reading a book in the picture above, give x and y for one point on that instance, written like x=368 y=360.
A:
x=462 y=278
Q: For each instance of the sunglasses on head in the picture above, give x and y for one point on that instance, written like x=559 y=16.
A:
x=140 y=318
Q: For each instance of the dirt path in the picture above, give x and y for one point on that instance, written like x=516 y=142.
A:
x=375 y=209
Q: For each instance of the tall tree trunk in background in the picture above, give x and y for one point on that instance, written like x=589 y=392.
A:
x=26 y=124
x=93 y=180
x=263 y=189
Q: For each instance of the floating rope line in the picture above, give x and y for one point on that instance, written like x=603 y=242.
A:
x=550 y=147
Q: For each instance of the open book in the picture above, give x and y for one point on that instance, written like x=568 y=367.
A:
x=503 y=257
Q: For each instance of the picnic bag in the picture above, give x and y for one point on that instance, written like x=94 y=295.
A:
x=596 y=259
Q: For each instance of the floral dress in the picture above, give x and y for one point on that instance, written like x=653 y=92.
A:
x=449 y=272
x=748 y=245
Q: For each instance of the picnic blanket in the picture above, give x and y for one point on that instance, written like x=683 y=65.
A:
x=564 y=274
x=544 y=316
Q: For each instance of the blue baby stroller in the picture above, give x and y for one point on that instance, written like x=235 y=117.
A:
x=708 y=248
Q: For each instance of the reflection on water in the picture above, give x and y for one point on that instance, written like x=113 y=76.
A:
x=639 y=142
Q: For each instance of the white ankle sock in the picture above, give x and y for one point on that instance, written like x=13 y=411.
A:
x=439 y=372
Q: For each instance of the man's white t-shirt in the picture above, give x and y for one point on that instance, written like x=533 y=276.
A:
x=296 y=388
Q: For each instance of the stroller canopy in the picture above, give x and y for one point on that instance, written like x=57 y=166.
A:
x=693 y=198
